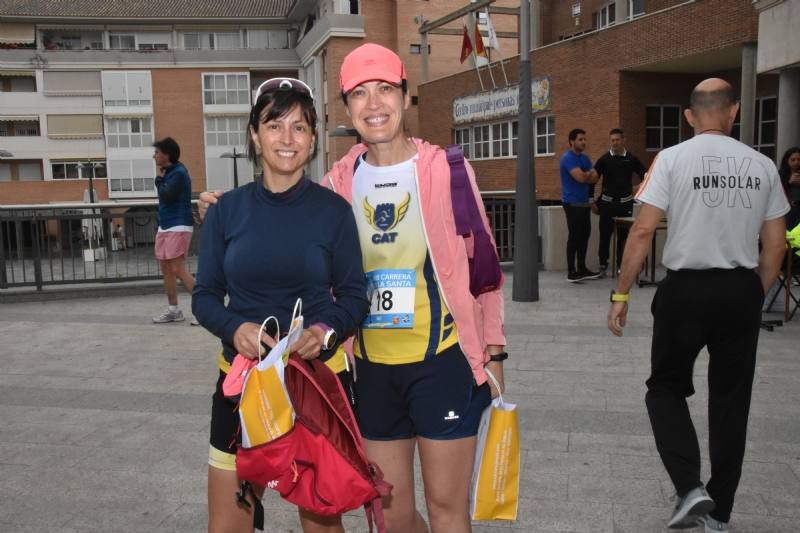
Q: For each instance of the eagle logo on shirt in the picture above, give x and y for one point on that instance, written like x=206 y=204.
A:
x=385 y=217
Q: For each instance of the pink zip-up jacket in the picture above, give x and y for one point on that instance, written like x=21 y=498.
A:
x=479 y=320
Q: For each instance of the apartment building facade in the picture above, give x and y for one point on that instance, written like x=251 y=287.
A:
x=600 y=64
x=86 y=88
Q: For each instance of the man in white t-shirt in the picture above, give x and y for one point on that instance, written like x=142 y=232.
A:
x=720 y=197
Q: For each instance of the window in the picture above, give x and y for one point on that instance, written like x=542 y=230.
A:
x=766 y=126
x=462 y=139
x=635 y=8
x=229 y=40
x=606 y=16
x=128 y=133
x=19 y=128
x=416 y=49
x=545 y=135
x=663 y=126
x=131 y=175
x=21 y=170
x=123 y=41
x=127 y=88
x=482 y=142
x=226 y=131
x=226 y=40
x=17 y=84
x=75 y=170
x=222 y=89
x=500 y=144
x=72 y=82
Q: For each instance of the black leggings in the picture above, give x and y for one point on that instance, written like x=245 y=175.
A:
x=579 y=226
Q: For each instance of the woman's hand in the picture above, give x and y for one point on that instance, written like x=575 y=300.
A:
x=245 y=340
x=309 y=345
x=795 y=179
x=207 y=199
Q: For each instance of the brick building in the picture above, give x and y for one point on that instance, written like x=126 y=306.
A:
x=624 y=63
x=86 y=87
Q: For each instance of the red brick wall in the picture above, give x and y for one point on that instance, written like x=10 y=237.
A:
x=42 y=192
x=592 y=87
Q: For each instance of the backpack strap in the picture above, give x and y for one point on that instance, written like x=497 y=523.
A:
x=465 y=207
x=258 y=511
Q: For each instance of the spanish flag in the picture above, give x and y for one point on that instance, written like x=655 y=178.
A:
x=480 y=50
x=466 y=45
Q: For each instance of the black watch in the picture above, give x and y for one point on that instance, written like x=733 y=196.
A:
x=498 y=357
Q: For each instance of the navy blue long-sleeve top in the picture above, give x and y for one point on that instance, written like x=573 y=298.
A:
x=174 y=197
x=265 y=250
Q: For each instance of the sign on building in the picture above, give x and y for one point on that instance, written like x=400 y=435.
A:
x=499 y=103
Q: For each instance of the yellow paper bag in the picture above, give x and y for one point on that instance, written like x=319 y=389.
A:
x=494 y=492
x=265 y=409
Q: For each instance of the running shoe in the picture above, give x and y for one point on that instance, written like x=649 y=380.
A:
x=690 y=509
x=169 y=316
x=714 y=526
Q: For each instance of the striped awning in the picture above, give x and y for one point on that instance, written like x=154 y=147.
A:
x=19 y=118
x=17 y=73
x=17 y=33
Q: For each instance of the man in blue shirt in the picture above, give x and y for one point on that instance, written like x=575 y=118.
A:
x=577 y=175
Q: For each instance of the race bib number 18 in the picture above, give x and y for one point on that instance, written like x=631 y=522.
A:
x=391 y=294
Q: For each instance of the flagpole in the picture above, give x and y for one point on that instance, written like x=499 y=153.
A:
x=489 y=67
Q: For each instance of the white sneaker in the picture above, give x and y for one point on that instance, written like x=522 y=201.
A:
x=713 y=526
x=194 y=322
x=690 y=509
x=169 y=316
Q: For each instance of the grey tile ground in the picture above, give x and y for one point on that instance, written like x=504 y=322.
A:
x=104 y=420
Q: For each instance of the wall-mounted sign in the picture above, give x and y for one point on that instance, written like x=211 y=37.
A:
x=500 y=102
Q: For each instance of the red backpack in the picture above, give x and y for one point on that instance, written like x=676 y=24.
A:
x=320 y=465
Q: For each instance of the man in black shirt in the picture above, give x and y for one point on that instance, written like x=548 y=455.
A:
x=618 y=169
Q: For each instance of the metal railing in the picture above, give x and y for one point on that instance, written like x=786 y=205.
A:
x=80 y=243
x=58 y=244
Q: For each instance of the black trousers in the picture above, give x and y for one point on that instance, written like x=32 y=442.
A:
x=579 y=228
x=720 y=309
x=609 y=210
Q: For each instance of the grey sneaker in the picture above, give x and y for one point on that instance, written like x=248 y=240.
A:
x=194 y=322
x=714 y=526
x=696 y=504
x=169 y=316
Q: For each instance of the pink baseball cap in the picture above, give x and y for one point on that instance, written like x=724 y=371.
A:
x=370 y=62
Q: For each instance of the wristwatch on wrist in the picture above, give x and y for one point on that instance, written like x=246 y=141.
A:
x=617 y=297
x=498 y=357
x=329 y=340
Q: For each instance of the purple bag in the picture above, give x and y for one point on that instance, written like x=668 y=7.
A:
x=484 y=265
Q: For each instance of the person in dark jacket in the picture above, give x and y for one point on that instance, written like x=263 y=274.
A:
x=263 y=246
x=790 y=179
x=175 y=225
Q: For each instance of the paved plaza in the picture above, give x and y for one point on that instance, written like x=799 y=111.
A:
x=104 y=420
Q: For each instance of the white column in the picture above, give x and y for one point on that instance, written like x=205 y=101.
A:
x=747 y=112
x=788 y=110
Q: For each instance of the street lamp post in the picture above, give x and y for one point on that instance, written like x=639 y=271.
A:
x=235 y=155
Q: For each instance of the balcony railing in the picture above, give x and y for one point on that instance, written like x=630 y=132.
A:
x=62 y=244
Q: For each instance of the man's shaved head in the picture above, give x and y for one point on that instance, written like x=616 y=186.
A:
x=712 y=96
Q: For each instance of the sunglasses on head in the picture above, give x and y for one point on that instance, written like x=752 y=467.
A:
x=284 y=84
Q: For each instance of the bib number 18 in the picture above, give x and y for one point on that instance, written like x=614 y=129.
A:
x=382 y=300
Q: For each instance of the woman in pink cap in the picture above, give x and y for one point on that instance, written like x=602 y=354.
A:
x=423 y=351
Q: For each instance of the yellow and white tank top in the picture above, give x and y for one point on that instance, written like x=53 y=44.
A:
x=408 y=319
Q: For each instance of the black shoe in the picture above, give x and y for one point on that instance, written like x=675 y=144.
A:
x=603 y=270
x=574 y=277
x=588 y=274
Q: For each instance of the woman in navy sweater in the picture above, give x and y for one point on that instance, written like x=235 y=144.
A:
x=263 y=246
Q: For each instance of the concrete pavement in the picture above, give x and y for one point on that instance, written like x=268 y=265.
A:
x=104 y=420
